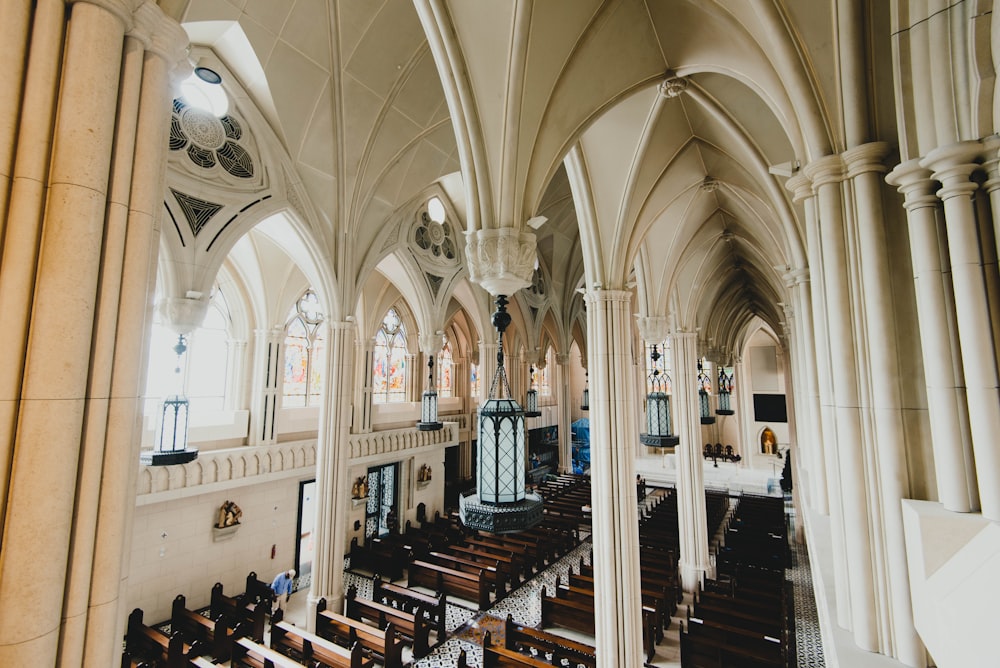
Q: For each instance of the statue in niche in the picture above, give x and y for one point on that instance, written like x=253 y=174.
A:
x=424 y=473
x=229 y=515
x=768 y=442
x=359 y=489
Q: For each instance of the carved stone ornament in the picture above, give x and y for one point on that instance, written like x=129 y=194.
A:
x=500 y=260
x=673 y=87
x=654 y=328
x=181 y=314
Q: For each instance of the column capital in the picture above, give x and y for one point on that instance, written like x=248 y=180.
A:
x=794 y=277
x=501 y=260
x=952 y=166
x=916 y=184
x=825 y=170
x=681 y=335
x=866 y=158
x=653 y=328
x=601 y=295
x=562 y=359
x=801 y=187
x=431 y=343
x=160 y=35
x=121 y=9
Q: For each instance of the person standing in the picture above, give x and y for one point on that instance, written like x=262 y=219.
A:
x=282 y=588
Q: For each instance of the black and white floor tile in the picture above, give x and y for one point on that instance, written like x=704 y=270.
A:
x=808 y=640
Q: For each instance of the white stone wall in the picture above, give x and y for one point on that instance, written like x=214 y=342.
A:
x=173 y=551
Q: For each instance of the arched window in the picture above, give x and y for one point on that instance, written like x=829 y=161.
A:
x=663 y=364
x=389 y=361
x=446 y=369
x=304 y=353
x=474 y=381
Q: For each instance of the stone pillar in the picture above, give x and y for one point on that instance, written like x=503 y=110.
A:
x=613 y=434
x=235 y=383
x=332 y=485
x=952 y=166
x=15 y=33
x=947 y=406
x=564 y=398
x=364 y=361
x=74 y=455
x=414 y=379
x=28 y=141
x=266 y=395
x=807 y=407
x=890 y=480
x=826 y=175
x=692 y=517
x=744 y=409
x=487 y=369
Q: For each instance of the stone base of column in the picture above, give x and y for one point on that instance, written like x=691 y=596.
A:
x=692 y=575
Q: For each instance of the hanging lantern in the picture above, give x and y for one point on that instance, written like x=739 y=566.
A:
x=500 y=503
x=704 y=405
x=531 y=398
x=172 y=435
x=658 y=409
x=585 y=403
x=429 y=402
x=725 y=390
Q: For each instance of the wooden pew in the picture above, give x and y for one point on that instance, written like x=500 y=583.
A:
x=760 y=645
x=237 y=610
x=288 y=639
x=258 y=593
x=586 y=595
x=248 y=654
x=489 y=569
x=701 y=652
x=145 y=643
x=412 y=626
x=382 y=642
x=539 y=643
x=578 y=615
x=434 y=607
x=490 y=555
x=216 y=635
x=472 y=586
x=386 y=556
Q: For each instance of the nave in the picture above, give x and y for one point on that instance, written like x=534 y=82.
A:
x=466 y=626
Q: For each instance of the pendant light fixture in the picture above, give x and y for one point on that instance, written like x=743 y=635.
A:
x=658 y=409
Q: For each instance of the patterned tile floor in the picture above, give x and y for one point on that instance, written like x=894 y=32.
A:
x=808 y=641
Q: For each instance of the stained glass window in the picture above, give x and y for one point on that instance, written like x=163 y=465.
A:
x=304 y=353
x=663 y=364
x=445 y=371
x=389 y=361
x=474 y=381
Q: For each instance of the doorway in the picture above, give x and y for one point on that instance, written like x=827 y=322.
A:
x=381 y=516
x=305 y=544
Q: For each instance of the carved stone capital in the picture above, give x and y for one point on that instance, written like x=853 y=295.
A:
x=562 y=359
x=501 y=260
x=653 y=328
x=432 y=343
x=162 y=36
x=673 y=86
x=121 y=9
x=181 y=314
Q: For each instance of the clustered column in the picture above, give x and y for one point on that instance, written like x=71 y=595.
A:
x=614 y=433
x=332 y=459
x=267 y=385
x=96 y=94
x=692 y=516
x=564 y=419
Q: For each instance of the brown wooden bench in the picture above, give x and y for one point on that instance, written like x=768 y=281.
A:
x=412 y=626
x=434 y=606
x=490 y=569
x=563 y=651
x=578 y=615
x=143 y=643
x=381 y=642
x=702 y=652
x=471 y=586
x=490 y=555
x=238 y=610
x=248 y=654
x=215 y=634
x=313 y=650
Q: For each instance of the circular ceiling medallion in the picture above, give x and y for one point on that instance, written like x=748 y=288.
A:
x=203 y=128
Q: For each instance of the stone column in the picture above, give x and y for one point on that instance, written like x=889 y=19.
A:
x=332 y=485
x=565 y=419
x=613 y=434
x=887 y=460
x=266 y=395
x=692 y=518
x=52 y=474
x=364 y=360
x=15 y=33
x=744 y=409
x=236 y=350
x=826 y=175
x=414 y=380
x=32 y=151
x=947 y=406
x=952 y=166
x=487 y=369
